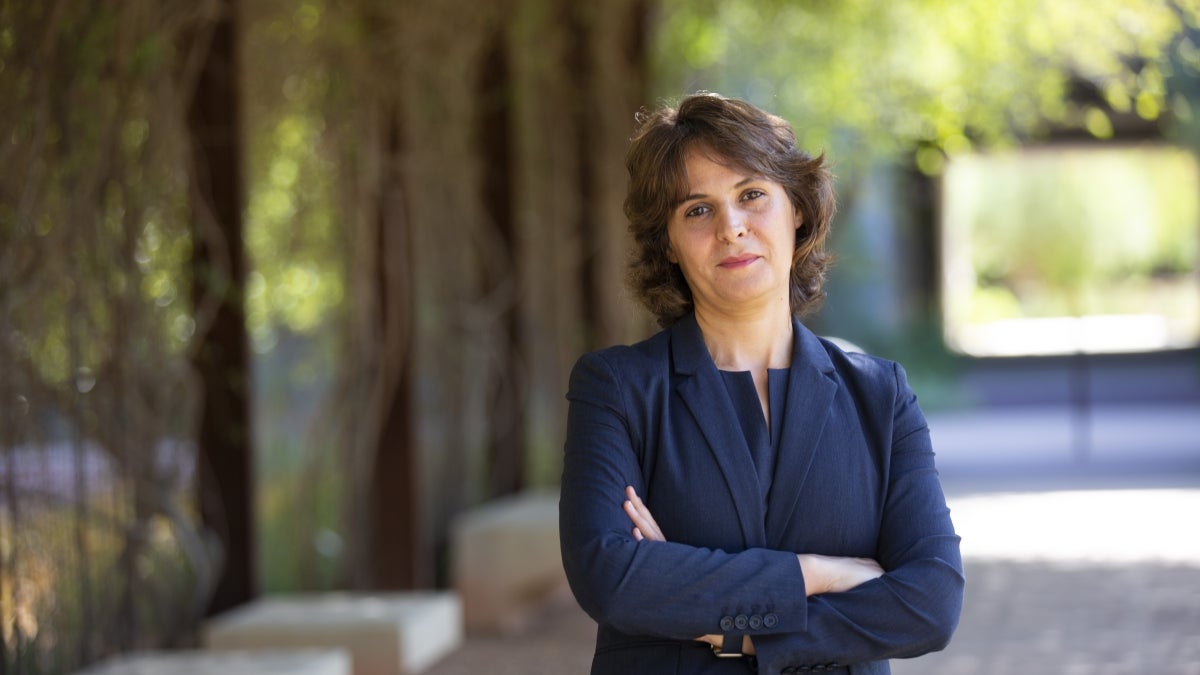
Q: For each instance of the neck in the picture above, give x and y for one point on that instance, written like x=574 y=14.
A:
x=754 y=343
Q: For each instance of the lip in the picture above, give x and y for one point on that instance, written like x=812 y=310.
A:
x=736 y=261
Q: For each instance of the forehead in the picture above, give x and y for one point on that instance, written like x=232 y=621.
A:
x=700 y=163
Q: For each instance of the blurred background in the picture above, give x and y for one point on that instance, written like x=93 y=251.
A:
x=287 y=286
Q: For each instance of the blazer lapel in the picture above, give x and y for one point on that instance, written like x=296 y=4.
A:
x=704 y=394
x=811 y=388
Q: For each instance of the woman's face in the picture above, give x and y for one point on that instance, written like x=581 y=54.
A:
x=733 y=237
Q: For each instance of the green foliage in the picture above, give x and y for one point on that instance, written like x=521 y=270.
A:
x=300 y=516
x=868 y=78
x=294 y=236
x=297 y=242
x=1049 y=225
x=291 y=233
x=56 y=595
x=1099 y=232
x=886 y=82
x=95 y=323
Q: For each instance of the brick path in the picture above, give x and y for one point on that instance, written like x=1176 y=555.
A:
x=1098 y=606
x=1020 y=617
x=1071 y=619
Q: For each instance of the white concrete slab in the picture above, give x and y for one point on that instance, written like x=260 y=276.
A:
x=384 y=633
x=202 y=662
x=506 y=561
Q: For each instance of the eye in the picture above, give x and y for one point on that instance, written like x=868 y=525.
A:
x=752 y=194
x=696 y=211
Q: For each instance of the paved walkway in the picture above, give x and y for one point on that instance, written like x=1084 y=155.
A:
x=1094 y=580
x=1122 y=439
x=1076 y=564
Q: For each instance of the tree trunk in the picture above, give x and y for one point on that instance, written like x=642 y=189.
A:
x=221 y=360
x=505 y=460
x=394 y=488
x=508 y=251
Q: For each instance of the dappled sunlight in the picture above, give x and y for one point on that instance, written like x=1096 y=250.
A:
x=1064 y=249
x=1081 y=526
x=1067 y=334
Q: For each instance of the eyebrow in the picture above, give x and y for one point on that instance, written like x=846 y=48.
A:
x=740 y=183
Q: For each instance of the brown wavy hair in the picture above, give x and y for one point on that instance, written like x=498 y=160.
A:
x=745 y=137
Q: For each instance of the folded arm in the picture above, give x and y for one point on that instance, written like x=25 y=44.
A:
x=664 y=589
x=914 y=607
x=667 y=589
x=822 y=573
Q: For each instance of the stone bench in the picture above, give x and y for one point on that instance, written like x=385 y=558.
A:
x=384 y=633
x=201 y=662
x=506 y=561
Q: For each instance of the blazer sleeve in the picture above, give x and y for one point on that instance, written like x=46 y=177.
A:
x=677 y=591
x=914 y=607
x=660 y=589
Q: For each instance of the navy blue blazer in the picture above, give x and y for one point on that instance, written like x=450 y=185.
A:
x=854 y=477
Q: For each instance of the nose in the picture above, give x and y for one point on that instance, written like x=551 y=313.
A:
x=731 y=224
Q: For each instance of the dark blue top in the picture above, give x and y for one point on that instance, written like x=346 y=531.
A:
x=764 y=447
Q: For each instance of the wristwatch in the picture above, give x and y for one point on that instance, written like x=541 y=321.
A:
x=731 y=647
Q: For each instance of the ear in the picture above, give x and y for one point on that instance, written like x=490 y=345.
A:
x=671 y=258
x=799 y=218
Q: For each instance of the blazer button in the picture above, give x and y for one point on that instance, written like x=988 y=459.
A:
x=756 y=621
x=741 y=622
x=726 y=623
x=770 y=621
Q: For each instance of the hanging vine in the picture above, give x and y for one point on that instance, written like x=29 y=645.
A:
x=99 y=546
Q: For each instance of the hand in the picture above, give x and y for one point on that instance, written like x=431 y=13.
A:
x=645 y=529
x=834 y=574
x=644 y=526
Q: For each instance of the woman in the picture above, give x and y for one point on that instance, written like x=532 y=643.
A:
x=737 y=493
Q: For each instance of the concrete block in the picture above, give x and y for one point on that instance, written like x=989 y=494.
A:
x=202 y=662
x=506 y=561
x=384 y=633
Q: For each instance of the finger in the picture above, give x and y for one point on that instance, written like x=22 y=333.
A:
x=639 y=513
x=637 y=534
x=643 y=522
x=635 y=509
x=632 y=496
x=633 y=514
x=638 y=505
x=640 y=519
